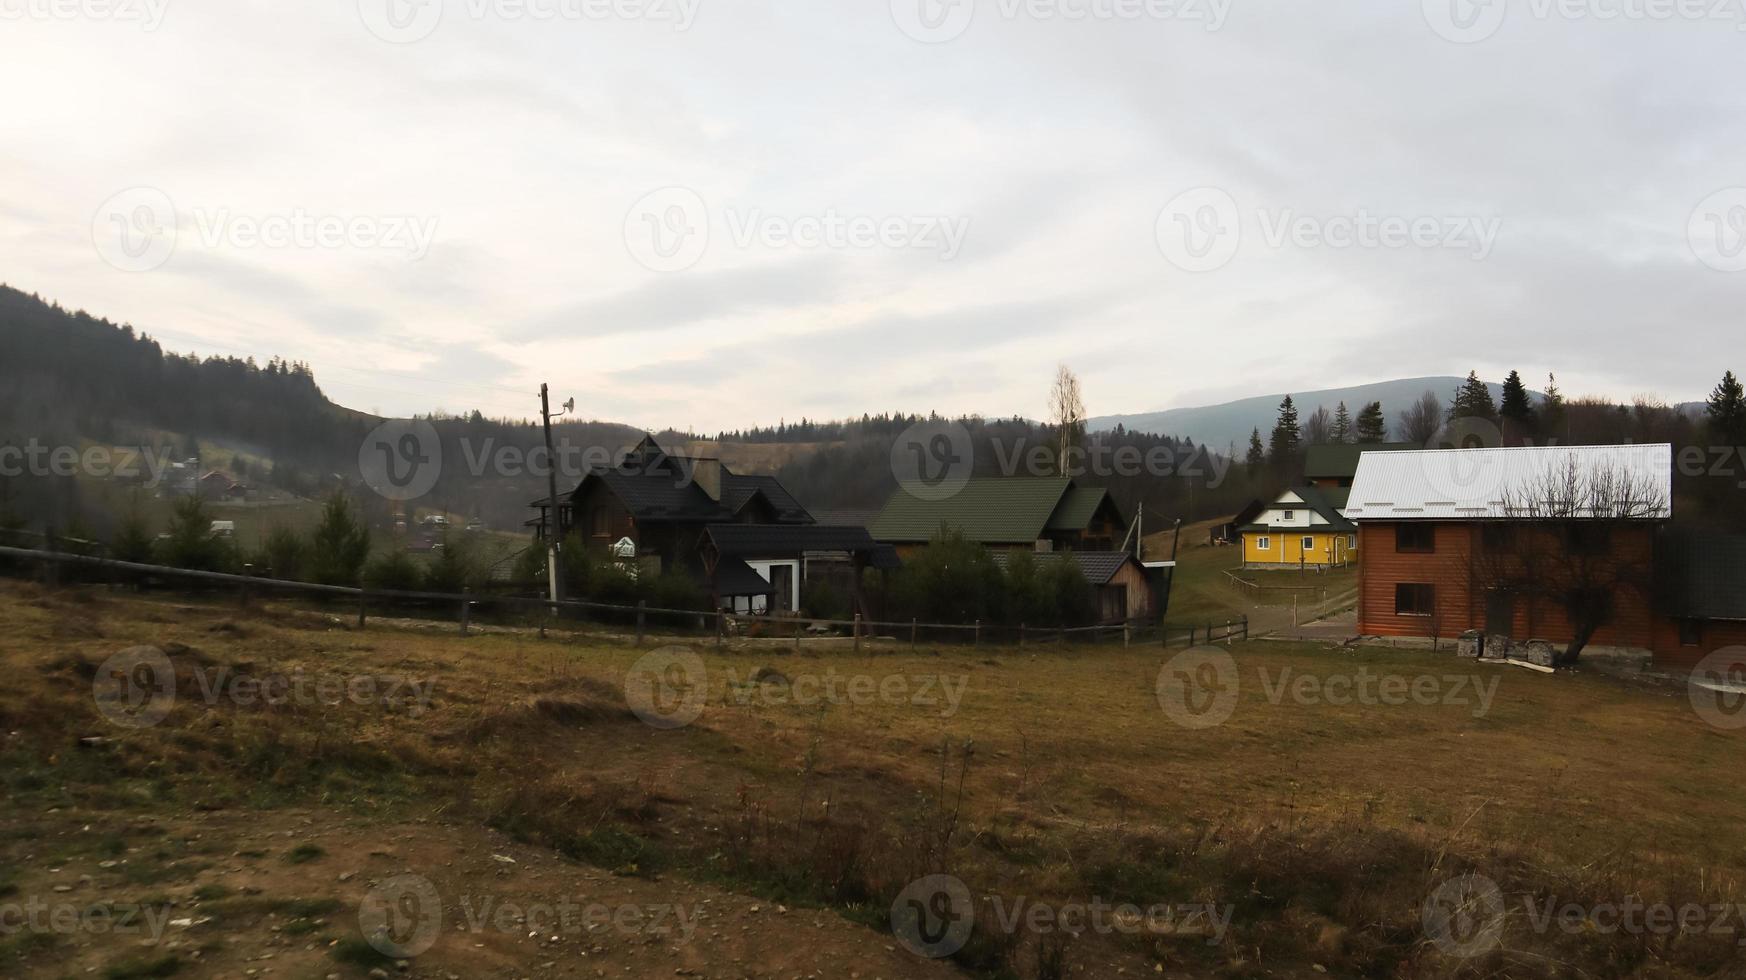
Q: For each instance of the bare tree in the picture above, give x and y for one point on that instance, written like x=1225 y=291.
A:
x=1560 y=545
x=1421 y=422
x=1318 y=430
x=1067 y=414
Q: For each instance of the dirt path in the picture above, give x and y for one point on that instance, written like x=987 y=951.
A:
x=294 y=893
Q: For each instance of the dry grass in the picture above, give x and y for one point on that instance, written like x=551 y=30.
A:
x=1057 y=777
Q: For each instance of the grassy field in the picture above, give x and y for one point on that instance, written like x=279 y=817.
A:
x=1203 y=593
x=796 y=807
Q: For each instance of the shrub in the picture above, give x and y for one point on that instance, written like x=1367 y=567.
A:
x=455 y=567
x=191 y=544
x=340 y=545
x=285 y=554
x=395 y=572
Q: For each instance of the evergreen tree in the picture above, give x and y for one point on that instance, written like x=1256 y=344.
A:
x=1517 y=413
x=1257 y=452
x=132 y=540
x=339 y=546
x=1342 y=424
x=1372 y=426
x=1552 y=410
x=1727 y=412
x=1282 y=447
x=1473 y=401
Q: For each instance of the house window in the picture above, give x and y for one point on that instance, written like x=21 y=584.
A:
x=1263 y=543
x=1414 y=600
x=1415 y=539
x=1290 y=515
x=1352 y=541
x=1691 y=633
x=1309 y=544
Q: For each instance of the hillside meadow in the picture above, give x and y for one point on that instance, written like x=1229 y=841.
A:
x=1343 y=792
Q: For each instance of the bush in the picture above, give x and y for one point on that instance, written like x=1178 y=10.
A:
x=395 y=572
x=821 y=600
x=340 y=545
x=133 y=540
x=284 y=555
x=455 y=567
x=191 y=544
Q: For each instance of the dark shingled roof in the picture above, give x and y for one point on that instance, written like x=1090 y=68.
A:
x=991 y=510
x=655 y=486
x=846 y=518
x=1098 y=567
x=1339 y=461
x=1702 y=574
x=734 y=577
x=771 y=540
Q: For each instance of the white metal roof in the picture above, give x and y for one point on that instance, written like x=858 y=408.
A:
x=1476 y=484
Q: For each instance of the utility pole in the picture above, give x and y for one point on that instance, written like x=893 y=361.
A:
x=554 y=579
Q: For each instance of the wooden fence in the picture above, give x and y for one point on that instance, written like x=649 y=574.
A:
x=692 y=622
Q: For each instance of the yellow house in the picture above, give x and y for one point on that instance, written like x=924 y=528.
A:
x=1305 y=527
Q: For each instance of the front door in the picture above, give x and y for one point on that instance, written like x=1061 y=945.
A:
x=1500 y=613
x=782 y=580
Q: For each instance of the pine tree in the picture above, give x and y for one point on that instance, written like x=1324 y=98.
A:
x=1517 y=413
x=1552 y=409
x=1727 y=412
x=1372 y=426
x=1257 y=452
x=1473 y=401
x=1342 y=424
x=1283 y=446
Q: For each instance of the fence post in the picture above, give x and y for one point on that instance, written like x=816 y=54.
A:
x=1125 y=636
x=1021 y=635
x=466 y=611
x=720 y=629
x=912 y=634
x=1245 y=627
x=248 y=572
x=797 y=622
x=977 y=634
x=857 y=632
x=642 y=612
x=363 y=605
x=1191 y=635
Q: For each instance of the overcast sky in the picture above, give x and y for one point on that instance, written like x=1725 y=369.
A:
x=715 y=213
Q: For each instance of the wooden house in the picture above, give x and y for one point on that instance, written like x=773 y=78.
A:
x=1006 y=514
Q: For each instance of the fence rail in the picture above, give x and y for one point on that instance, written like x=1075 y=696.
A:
x=749 y=625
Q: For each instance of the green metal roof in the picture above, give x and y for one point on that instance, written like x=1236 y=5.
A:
x=1339 y=461
x=990 y=510
x=1077 y=508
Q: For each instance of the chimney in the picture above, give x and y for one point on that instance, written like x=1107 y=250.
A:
x=706 y=473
